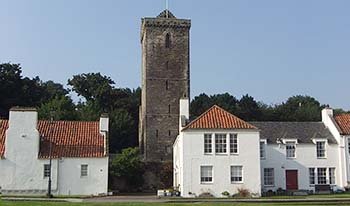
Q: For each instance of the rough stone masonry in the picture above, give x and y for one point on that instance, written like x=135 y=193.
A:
x=165 y=44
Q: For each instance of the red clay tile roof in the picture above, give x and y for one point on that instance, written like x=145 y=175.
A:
x=69 y=139
x=218 y=118
x=3 y=128
x=343 y=121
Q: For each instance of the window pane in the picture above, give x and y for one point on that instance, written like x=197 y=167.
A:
x=233 y=144
x=84 y=170
x=46 y=170
x=269 y=177
x=321 y=149
x=206 y=174
x=207 y=143
x=321 y=176
x=220 y=143
x=311 y=176
x=236 y=174
x=290 y=149
x=262 y=150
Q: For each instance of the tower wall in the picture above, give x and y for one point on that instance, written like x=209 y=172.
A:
x=165 y=79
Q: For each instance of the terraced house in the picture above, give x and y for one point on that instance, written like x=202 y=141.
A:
x=219 y=153
x=78 y=151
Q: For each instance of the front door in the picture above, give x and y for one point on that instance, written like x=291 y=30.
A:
x=292 y=179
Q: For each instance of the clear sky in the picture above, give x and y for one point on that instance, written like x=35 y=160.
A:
x=270 y=49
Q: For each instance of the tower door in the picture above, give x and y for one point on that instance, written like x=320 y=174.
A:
x=292 y=179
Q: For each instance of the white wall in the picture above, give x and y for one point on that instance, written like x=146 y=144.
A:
x=21 y=172
x=71 y=183
x=305 y=158
x=192 y=144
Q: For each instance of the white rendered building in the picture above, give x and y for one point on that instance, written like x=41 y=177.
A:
x=214 y=153
x=78 y=151
x=219 y=152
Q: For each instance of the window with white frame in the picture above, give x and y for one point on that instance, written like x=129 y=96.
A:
x=331 y=175
x=290 y=149
x=207 y=144
x=236 y=174
x=262 y=150
x=206 y=174
x=84 y=170
x=321 y=149
x=47 y=170
x=233 y=144
x=269 y=177
x=311 y=176
x=321 y=176
x=220 y=143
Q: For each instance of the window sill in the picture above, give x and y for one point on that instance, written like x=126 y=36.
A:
x=237 y=183
x=206 y=183
x=321 y=158
x=269 y=185
x=290 y=158
x=234 y=154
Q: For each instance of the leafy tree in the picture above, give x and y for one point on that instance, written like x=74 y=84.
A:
x=248 y=109
x=128 y=165
x=62 y=106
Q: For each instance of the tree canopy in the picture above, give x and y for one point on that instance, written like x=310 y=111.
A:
x=100 y=94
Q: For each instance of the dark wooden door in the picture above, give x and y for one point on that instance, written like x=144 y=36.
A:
x=292 y=179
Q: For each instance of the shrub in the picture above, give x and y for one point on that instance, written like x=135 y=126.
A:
x=206 y=195
x=128 y=165
x=225 y=193
x=242 y=192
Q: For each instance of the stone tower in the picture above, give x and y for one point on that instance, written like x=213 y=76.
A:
x=165 y=44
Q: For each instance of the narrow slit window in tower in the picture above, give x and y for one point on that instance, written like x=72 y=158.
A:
x=169 y=108
x=166 y=84
x=167 y=40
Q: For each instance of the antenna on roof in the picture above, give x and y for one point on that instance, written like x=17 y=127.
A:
x=167 y=8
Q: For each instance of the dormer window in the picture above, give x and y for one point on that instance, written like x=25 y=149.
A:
x=290 y=149
x=167 y=40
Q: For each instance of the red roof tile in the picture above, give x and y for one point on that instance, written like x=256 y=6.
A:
x=343 y=121
x=69 y=139
x=218 y=118
x=3 y=128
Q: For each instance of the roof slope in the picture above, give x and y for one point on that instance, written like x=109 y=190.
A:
x=218 y=118
x=3 y=128
x=303 y=131
x=343 y=121
x=68 y=138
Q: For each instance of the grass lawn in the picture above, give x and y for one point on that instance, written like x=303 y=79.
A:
x=9 y=203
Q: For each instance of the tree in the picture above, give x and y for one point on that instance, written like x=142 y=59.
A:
x=249 y=109
x=128 y=165
x=62 y=106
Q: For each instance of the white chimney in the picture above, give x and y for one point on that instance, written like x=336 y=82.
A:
x=327 y=113
x=22 y=136
x=184 y=112
x=104 y=128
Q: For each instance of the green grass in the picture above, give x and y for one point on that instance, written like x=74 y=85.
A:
x=9 y=203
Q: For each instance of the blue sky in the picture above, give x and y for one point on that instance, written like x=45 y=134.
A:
x=269 y=49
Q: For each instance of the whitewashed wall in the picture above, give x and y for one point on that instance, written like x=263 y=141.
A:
x=305 y=158
x=21 y=172
x=191 y=142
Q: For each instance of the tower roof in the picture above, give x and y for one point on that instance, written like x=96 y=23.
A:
x=166 y=14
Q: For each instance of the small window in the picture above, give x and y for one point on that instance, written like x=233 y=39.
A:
x=46 y=170
x=167 y=85
x=262 y=150
x=321 y=149
x=207 y=144
x=84 y=170
x=169 y=132
x=322 y=176
x=331 y=173
x=167 y=41
x=236 y=174
x=290 y=149
x=206 y=174
x=169 y=108
x=269 y=177
x=157 y=133
x=311 y=176
x=233 y=144
x=220 y=143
